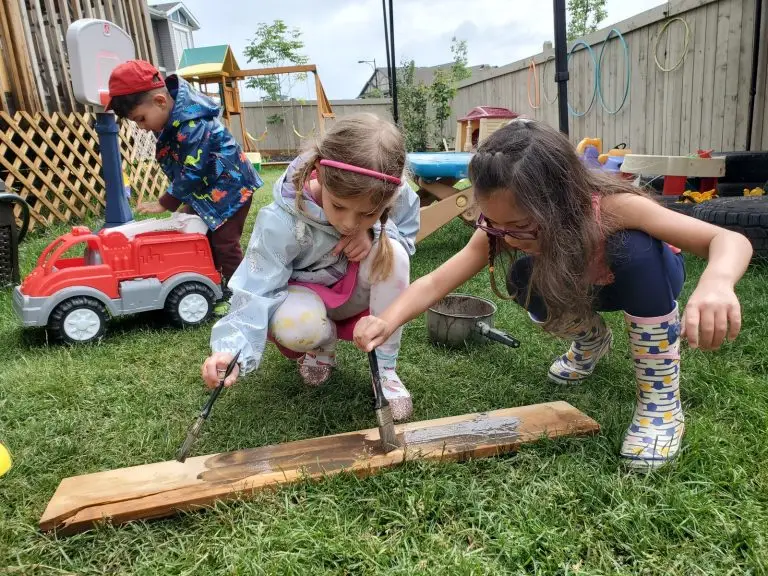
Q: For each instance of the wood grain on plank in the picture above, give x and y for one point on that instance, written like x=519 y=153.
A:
x=164 y=488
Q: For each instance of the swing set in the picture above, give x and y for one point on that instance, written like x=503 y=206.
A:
x=216 y=65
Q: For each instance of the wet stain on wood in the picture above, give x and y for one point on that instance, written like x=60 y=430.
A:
x=481 y=429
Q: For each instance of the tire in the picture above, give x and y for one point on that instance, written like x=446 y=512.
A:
x=78 y=320
x=741 y=167
x=673 y=203
x=746 y=215
x=190 y=304
x=730 y=189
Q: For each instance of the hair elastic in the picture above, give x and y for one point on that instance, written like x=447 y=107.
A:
x=359 y=170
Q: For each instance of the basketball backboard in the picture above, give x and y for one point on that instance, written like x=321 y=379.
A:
x=95 y=48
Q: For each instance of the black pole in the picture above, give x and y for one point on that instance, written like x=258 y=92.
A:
x=386 y=45
x=561 y=64
x=753 y=80
x=394 y=61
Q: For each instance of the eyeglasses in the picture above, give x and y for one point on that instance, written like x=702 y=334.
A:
x=530 y=234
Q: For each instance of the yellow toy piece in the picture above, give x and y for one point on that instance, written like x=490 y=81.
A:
x=5 y=459
x=699 y=197
x=754 y=192
x=603 y=158
x=596 y=142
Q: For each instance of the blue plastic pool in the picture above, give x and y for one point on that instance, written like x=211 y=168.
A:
x=440 y=164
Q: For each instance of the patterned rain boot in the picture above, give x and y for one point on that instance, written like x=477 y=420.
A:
x=654 y=436
x=316 y=366
x=394 y=390
x=591 y=341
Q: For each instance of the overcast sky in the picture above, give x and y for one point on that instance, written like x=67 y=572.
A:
x=338 y=33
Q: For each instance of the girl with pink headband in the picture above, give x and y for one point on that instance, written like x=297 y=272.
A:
x=333 y=247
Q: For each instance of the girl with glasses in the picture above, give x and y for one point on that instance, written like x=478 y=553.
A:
x=581 y=242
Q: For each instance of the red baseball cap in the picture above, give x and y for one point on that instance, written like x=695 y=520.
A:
x=132 y=77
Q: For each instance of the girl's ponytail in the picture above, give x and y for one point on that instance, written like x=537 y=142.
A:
x=302 y=174
x=384 y=259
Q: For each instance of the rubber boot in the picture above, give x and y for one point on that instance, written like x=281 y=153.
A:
x=657 y=427
x=591 y=340
x=316 y=366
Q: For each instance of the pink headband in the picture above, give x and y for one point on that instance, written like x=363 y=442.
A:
x=359 y=170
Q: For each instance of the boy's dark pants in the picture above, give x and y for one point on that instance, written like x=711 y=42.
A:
x=225 y=242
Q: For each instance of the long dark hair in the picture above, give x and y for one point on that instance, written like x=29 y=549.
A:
x=539 y=166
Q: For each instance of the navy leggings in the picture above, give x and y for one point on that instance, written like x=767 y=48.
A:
x=648 y=277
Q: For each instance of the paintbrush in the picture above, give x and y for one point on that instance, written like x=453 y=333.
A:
x=382 y=408
x=194 y=430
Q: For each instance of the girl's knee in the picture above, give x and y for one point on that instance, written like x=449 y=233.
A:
x=301 y=323
x=631 y=249
x=401 y=262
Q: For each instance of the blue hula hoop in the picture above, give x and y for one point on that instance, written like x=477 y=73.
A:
x=627 y=81
x=595 y=85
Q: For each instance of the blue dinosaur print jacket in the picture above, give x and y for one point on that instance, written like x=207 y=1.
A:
x=208 y=170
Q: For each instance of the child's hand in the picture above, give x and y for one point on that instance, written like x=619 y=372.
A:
x=214 y=368
x=371 y=332
x=150 y=208
x=355 y=247
x=712 y=312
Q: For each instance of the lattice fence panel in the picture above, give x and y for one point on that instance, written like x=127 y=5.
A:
x=53 y=162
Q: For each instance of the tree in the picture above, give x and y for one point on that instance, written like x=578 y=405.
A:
x=445 y=82
x=585 y=15
x=276 y=45
x=413 y=98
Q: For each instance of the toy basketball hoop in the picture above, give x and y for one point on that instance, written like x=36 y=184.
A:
x=96 y=47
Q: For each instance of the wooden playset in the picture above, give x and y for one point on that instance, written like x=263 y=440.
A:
x=166 y=488
x=216 y=65
x=480 y=123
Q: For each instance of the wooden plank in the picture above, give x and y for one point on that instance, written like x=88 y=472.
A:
x=9 y=51
x=109 y=11
x=88 y=8
x=745 y=74
x=721 y=70
x=637 y=101
x=760 y=121
x=708 y=86
x=43 y=30
x=59 y=51
x=149 y=33
x=686 y=101
x=132 y=30
x=660 y=111
x=698 y=40
x=33 y=55
x=676 y=77
x=274 y=70
x=165 y=488
x=732 y=76
x=25 y=58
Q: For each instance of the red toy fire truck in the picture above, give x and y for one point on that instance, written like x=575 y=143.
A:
x=141 y=266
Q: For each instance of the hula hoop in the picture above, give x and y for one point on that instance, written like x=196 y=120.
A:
x=594 y=68
x=627 y=66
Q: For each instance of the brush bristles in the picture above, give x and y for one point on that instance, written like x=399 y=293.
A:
x=387 y=433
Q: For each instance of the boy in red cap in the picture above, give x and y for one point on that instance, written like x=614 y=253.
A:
x=208 y=170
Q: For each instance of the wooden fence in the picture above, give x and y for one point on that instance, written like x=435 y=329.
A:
x=283 y=127
x=34 y=66
x=702 y=103
x=53 y=162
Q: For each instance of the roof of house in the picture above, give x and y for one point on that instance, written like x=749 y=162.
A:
x=165 y=9
x=207 y=61
x=426 y=74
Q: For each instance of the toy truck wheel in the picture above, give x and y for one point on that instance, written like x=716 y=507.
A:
x=190 y=304
x=78 y=320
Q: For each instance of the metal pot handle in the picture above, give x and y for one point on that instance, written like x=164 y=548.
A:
x=496 y=335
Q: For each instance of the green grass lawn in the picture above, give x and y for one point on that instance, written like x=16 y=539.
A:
x=558 y=507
